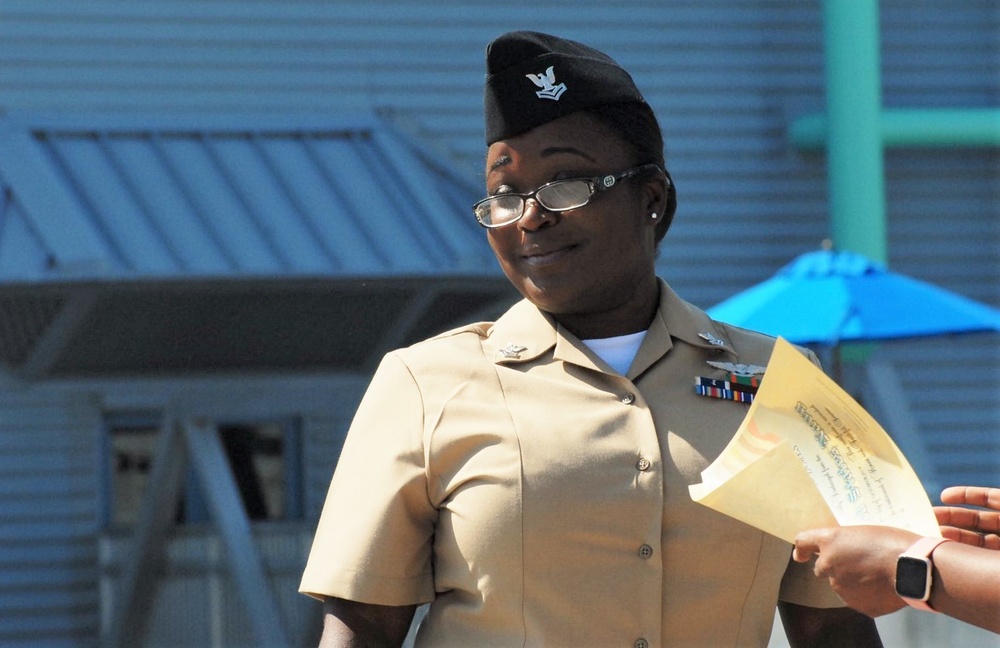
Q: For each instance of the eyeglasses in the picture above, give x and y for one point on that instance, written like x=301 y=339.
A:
x=557 y=196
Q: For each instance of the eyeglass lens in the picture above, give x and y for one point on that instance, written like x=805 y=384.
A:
x=568 y=194
x=561 y=195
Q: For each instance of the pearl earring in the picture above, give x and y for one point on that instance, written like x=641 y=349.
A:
x=653 y=215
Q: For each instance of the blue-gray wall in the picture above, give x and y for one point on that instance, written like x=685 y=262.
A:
x=49 y=518
x=727 y=78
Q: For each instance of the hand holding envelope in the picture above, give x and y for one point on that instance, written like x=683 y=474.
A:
x=808 y=455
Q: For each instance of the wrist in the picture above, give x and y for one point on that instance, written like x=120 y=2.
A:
x=915 y=573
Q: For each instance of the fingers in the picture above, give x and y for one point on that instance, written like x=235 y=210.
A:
x=807 y=544
x=962 y=535
x=984 y=540
x=972 y=496
x=970 y=526
x=987 y=522
x=959 y=517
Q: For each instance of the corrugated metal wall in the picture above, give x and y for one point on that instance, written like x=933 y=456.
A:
x=236 y=196
x=324 y=434
x=944 y=224
x=727 y=78
x=49 y=516
x=198 y=603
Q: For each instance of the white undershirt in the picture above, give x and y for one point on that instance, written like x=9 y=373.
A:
x=617 y=351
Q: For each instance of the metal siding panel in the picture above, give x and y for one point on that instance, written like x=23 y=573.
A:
x=363 y=186
x=395 y=219
x=941 y=54
x=343 y=231
x=952 y=384
x=308 y=193
x=442 y=230
x=944 y=226
x=112 y=205
x=23 y=255
x=323 y=436
x=222 y=213
x=196 y=199
x=49 y=210
x=48 y=546
x=267 y=207
x=198 y=603
x=166 y=202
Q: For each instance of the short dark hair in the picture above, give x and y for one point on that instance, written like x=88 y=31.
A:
x=638 y=127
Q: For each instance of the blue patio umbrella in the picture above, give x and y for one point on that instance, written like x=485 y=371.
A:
x=827 y=297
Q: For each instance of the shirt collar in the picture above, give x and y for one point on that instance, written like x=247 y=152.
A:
x=524 y=333
x=675 y=318
x=693 y=325
x=521 y=334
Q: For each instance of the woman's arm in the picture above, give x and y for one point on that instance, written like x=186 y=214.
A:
x=860 y=562
x=349 y=624
x=967 y=584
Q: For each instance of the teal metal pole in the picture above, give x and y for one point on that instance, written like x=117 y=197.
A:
x=854 y=142
x=937 y=127
x=928 y=127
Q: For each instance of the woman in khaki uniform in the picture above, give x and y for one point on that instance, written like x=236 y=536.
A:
x=528 y=477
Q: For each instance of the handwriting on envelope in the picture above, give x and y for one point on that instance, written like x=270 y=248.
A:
x=808 y=455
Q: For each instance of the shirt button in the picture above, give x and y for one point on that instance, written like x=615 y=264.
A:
x=645 y=552
x=628 y=398
x=642 y=464
x=640 y=643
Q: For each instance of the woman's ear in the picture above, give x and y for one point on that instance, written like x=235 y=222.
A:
x=656 y=194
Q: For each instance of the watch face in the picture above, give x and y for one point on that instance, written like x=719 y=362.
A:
x=913 y=578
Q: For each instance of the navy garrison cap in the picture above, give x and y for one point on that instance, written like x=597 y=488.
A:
x=533 y=78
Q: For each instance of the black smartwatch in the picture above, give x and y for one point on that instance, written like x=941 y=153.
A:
x=915 y=572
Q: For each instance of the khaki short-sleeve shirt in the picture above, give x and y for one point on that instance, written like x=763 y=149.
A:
x=535 y=497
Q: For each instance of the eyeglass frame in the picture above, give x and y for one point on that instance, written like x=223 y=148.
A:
x=597 y=185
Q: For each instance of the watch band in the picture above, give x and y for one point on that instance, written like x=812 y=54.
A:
x=922 y=549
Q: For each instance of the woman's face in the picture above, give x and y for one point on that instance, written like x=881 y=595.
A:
x=594 y=260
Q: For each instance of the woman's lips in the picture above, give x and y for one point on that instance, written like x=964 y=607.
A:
x=539 y=258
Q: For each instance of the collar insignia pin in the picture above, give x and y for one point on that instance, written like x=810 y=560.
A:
x=711 y=339
x=547 y=82
x=738 y=368
x=512 y=351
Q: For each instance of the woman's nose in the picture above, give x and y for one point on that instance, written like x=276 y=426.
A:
x=535 y=216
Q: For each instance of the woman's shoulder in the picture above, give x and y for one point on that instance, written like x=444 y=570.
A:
x=522 y=319
x=461 y=344
x=747 y=339
x=753 y=346
x=466 y=335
